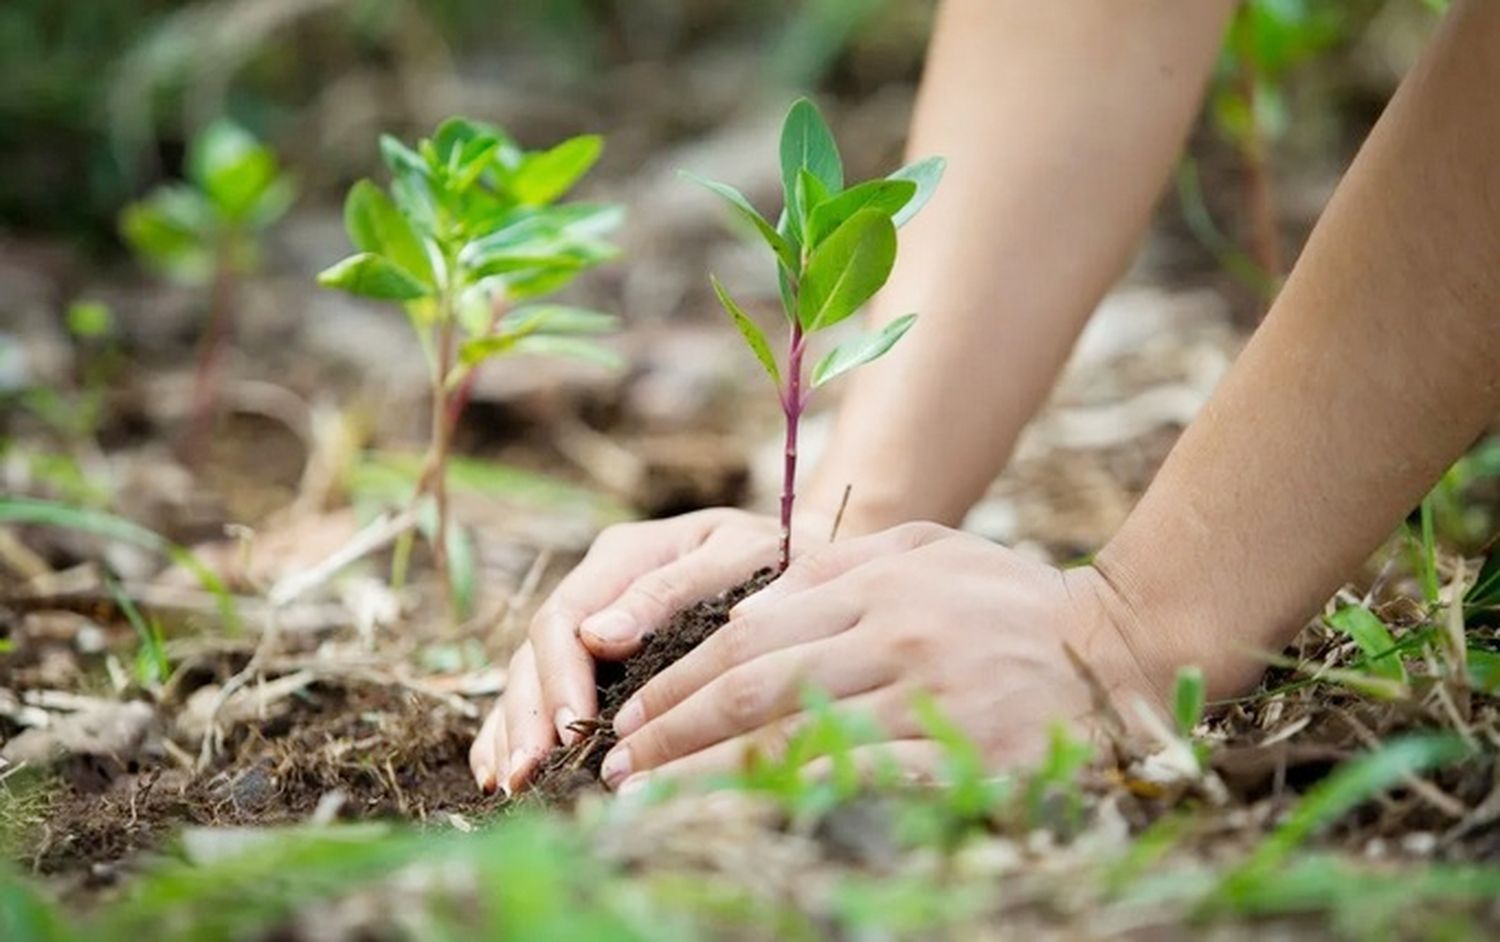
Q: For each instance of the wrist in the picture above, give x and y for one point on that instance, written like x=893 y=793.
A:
x=1168 y=626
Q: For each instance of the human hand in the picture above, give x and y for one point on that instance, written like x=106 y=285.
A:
x=634 y=578
x=874 y=621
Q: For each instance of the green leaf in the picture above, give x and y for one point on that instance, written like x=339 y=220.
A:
x=1189 y=694
x=575 y=348
x=846 y=270
x=89 y=319
x=750 y=331
x=555 y=319
x=1484 y=670
x=884 y=196
x=402 y=160
x=232 y=168
x=1350 y=786
x=1484 y=595
x=376 y=226
x=1374 y=640
x=861 y=350
x=785 y=254
x=372 y=276
x=807 y=142
x=926 y=174
x=545 y=176
x=172 y=231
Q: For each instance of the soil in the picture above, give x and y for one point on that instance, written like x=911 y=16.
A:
x=570 y=770
x=383 y=751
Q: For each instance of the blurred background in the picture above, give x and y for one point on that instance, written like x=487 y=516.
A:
x=99 y=101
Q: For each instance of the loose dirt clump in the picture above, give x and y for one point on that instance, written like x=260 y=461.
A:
x=568 y=770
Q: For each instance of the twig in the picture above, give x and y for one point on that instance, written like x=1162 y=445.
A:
x=838 y=518
x=374 y=537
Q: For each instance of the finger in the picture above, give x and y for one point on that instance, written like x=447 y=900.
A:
x=811 y=616
x=754 y=696
x=828 y=563
x=890 y=707
x=527 y=728
x=653 y=598
x=487 y=748
x=617 y=558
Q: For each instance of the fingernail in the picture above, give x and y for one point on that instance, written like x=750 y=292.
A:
x=634 y=783
x=517 y=763
x=563 y=719
x=632 y=716
x=613 y=626
x=616 y=766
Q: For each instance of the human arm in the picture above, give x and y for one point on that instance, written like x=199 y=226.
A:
x=1059 y=123
x=1377 y=366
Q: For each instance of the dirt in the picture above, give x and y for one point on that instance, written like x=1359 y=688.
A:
x=570 y=770
x=382 y=751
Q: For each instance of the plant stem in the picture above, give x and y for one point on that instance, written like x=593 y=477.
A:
x=210 y=349
x=791 y=405
x=441 y=438
x=1265 y=238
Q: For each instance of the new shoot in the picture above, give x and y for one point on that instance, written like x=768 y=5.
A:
x=834 y=248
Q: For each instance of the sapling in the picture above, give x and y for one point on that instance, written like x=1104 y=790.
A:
x=834 y=248
x=204 y=231
x=470 y=228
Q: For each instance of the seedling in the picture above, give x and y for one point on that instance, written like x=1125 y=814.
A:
x=1267 y=41
x=204 y=231
x=471 y=228
x=834 y=248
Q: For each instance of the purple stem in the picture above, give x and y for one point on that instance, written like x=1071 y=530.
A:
x=792 y=403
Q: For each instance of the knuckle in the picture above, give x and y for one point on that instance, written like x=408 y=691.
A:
x=918 y=533
x=743 y=697
x=660 y=590
x=652 y=745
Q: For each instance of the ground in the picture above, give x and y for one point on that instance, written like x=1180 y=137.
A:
x=279 y=750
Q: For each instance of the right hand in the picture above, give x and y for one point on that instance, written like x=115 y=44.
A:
x=634 y=578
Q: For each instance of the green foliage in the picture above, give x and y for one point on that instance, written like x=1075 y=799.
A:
x=27 y=511
x=1267 y=40
x=834 y=247
x=1351 y=785
x=469 y=228
x=1189 y=695
x=90 y=320
x=1382 y=656
x=152 y=666
x=193 y=230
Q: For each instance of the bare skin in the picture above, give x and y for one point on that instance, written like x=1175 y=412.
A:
x=1375 y=369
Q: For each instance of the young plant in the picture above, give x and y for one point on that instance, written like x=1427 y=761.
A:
x=834 y=248
x=1267 y=41
x=204 y=231
x=469 y=230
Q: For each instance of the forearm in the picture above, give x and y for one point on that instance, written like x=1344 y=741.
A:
x=1060 y=123
x=1377 y=366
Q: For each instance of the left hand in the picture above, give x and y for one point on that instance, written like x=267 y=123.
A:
x=874 y=621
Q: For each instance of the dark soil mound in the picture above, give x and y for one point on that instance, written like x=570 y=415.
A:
x=568 y=770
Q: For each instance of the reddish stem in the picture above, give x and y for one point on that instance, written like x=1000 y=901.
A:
x=1260 y=196
x=791 y=405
